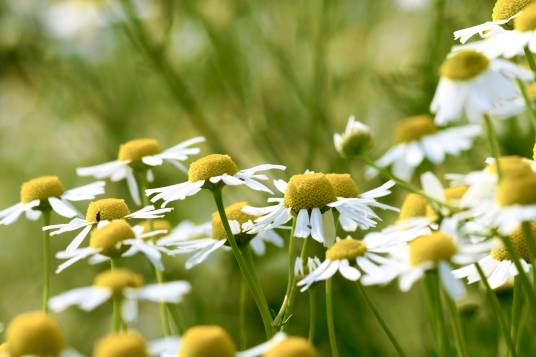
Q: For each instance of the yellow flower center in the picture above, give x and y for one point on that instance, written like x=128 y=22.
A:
x=309 y=191
x=346 y=249
x=464 y=65
x=531 y=91
x=344 y=185
x=519 y=242
x=511 y=166
x=414 y=128
x=433 y=247
x=205 y=341
x=106 y=209
x=41 y=188
x=526 y=21
x=108 y=237
x=505 y=9
x=126 y=344
x=210 y=166
x=517 y=190
x=118 y=280
x=292 y=347
x=4 y=349
x=233 y=213
x=135 y=150
x=157 y=225
x=34 y=333
x=414 y=206
x=452 y=195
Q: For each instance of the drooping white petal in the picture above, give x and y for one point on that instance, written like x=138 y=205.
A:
x=171 y=292
x=63 y=208
x=86 y=192
x=453 y=286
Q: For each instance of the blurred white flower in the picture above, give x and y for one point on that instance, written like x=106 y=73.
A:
x=355 y=139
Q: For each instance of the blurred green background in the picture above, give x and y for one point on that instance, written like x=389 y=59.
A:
x=265 y=81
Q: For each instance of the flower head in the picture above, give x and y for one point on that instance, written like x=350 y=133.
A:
x=106 y=209
x=292 y=347
x=125 y=344
x=41 y=189
x=235 y=215
x=309 y=191
x=135 y=150
x=118 y=280
x=432 y=248
x=344 y=185
x=505 y=9
x=203 y=341
x=414 y=206
x=464 y=65
x=414 y=128
x=108 y=238
x=355 y=140
x=211 y=166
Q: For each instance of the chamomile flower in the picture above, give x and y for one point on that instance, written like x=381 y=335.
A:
x=354 y=140
x=282 y=345
x=372 y=265
x=111 y=239
x=124 y=283
x=45 y=193
x=209 y=171
x=302 y=269
x=239 y=222
x=122 y=344
x=309 y=195
x=106 y=209
x=418 y=139
x=139 y=156
x=473 y=84
x=498 y=266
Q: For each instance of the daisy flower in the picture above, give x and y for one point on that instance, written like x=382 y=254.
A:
x=418 y=139
x=209 y=171
x=106 y=209
x=372 y=265
x=239 y=222
x=26 y=334
x=473 y=84
x=354 y=140
x=111 y=240
x=302 y=269
x=45 y=193
x=139 y=156
x=308 y=196
x=498 y=266
x=282 y=345
x=124 y=283
x=123 y=344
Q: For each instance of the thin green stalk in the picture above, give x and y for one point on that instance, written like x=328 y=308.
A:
x=503 y=325
x=494 y=145
x=529 y=239
x=457 y=327
x=174 y=312
x=528 y=103
x=116 y=314
x=381 y=321
x=249 y=275
x=114 y=263
x=330 y=321
x=517 y=307
x=434 y=297
x=530 y=59
x=242 y=314
x=278 y=320
x=164 y=318
x=312 y=314
x=46 y=261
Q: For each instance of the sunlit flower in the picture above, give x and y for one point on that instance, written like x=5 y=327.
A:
x=473 y=84
x=282 y=345
x=106 y=209
x=210 y=171
x=239 y=222
x=355 y=139
x=123 y=344
x=110 y=240
x=498 y=266
x=45 y=193
x=139 y=156
x=418 y=139
x=124 y=283
x=372 y=265
x=309 y=196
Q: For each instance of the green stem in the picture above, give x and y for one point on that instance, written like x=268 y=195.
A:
x=46 y=261
x=312 y=315
x=116 y=317
x=380 y=320
x=174 y=312
x=164 y=318
x=434 y=297
x=457 y=326
x=517 y=306
x=529 y=239
x=330 y=321
x=242 y=314
x=528 y=103
x=503 y=325
x=248 y=275
x=494 y=145
x=530 y=59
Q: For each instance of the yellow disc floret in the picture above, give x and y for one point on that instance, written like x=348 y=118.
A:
x=526 y=21
x=292 y=347
x=414 y=206
x=309 y=191
x=106 y=209
x=433 y=247
x=233 y=213
x=156 y=225
x=517 y=190
x=505 y=9
x=346 y=249
x=36 y=334
x=519 y=242
x=511 y=166
x=126 y=344
x=414 y=128
x=118 y=280
x=41 y=188
x=344 y=185
x=205 y=341
x=464 y=65
x=108 y=238
x=135 y=150
x=211 y=166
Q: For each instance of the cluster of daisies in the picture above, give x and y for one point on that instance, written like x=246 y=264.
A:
x=476 y=227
